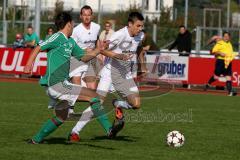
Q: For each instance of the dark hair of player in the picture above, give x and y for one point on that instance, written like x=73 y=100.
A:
x=87 y=8
x=30 y=26
x=182 y=26
x=62 y=19
x=226 y=33
x=134 y=16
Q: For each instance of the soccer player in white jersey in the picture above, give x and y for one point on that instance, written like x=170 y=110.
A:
x=86 y=36
x=117 y=72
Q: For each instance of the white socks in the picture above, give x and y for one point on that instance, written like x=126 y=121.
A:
x=87 y=115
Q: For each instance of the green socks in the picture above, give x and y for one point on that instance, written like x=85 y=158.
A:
x=50 y=126
x=100 y=113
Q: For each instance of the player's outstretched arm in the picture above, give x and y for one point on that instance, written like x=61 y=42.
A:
x=31 y=59
x=90 y=55
x=113 y=55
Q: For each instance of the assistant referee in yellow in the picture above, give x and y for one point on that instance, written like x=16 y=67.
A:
x=224 y=54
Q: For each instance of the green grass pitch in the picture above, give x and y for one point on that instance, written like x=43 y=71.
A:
x=210 y=124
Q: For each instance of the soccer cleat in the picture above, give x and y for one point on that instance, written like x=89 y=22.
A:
x=112 y=133
x=119 y=113
x=73 y=137
x=31 y=141
x=118 y=123
x=118 y=110
x=232 y=94
x=117 y=126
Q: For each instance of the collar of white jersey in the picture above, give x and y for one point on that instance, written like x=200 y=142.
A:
x=91 y=24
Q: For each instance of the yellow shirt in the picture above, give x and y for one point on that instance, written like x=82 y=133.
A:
x=227 y=49
x=223 y=47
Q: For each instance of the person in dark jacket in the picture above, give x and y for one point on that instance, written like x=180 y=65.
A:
x=183 y=42
x=19 y=41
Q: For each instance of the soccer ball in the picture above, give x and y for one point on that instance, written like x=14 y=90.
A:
x=175 y=139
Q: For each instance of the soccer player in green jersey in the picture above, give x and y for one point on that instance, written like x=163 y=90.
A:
x=60 y=48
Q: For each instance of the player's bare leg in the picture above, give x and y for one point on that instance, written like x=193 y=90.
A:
x=210 y=81
x=133 y=102
x=91 y=82
x=96 y=110
x=75 y=80
x=62 y=114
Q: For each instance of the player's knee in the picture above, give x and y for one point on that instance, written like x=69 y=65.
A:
x=92 y=86
x=76 y=80
x=62 y=118
x=62 y=114
x=89 y=79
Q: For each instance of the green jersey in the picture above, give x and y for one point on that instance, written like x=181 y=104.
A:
x=32 y=37
x=60 y=50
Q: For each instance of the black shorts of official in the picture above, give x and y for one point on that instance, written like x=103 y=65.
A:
x=221 y=70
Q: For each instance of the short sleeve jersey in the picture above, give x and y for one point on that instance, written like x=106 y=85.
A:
x=60 y=49
x=122 y=42
x=224 y=47
x=86 y=38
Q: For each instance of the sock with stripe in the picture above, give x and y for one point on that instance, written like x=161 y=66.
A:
x=100 y=114
x=48 y=127
x=87 y=115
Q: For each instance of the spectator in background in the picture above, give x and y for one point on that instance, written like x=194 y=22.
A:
x=105 y=35
x=50 y=32
x=183 y=42
x=31 y=39
x=19 y=41
x=107 y=32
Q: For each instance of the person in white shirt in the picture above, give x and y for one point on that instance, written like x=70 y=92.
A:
x=107 y=32
x=104 y=36
x=86 y=36
x=117 y=72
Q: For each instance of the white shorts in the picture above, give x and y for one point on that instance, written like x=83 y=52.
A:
x=63 y=95
x=125 y=86
x=77 y=68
